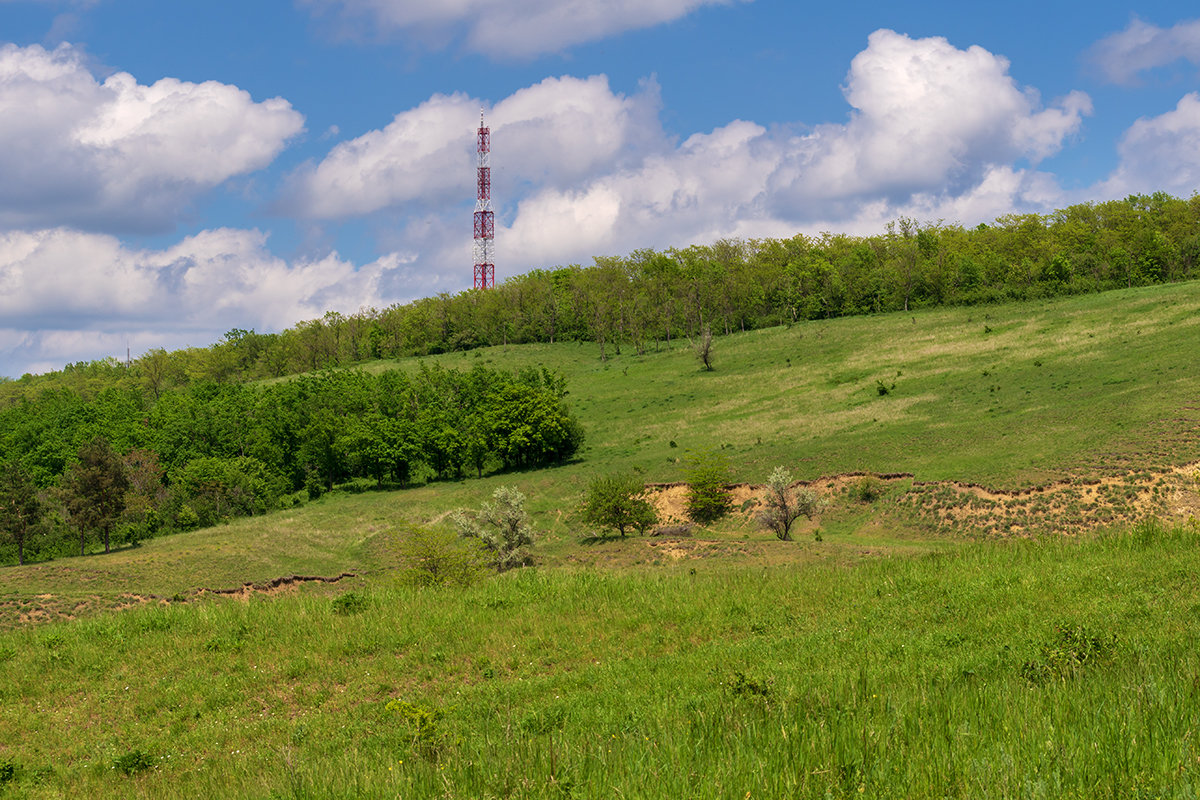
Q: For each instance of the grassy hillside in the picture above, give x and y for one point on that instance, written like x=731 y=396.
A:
x=894 y=658
x=1007 y=396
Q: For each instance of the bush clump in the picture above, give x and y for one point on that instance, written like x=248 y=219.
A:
x=431 y=557
x=502 y=527
x=349 y=603
x=708 y=497
x=868 y=489
x=1066 y=653
x=133 y=762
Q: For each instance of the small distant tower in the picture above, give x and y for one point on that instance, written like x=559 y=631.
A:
x=485 y=220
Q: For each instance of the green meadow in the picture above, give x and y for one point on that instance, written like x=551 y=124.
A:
x=892 y=658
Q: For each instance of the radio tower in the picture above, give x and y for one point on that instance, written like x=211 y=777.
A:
x=485 y=220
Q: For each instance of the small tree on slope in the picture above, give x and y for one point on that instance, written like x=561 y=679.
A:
x=783 y=506
x=618 y=501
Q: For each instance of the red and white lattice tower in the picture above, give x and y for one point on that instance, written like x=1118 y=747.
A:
x=485 y=220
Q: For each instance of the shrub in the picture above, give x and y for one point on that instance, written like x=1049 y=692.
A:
x=618 y=501
x=1069 y=650
x=868 y=489
x=502 y=527
x=430 y=557
x=427 y=736
x=187 y=519
x=742 y=685
x=708 y=486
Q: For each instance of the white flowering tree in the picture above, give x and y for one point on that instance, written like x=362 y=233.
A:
x=784 y=506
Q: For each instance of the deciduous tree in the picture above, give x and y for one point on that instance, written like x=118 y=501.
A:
x=708 y=486
x=94 y=489
x=20 y=506
x=619 y=501
x=783 y=505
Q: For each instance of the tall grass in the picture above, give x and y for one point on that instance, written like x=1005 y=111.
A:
x=958 y=674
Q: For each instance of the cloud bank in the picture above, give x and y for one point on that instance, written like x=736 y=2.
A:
x=64 y=292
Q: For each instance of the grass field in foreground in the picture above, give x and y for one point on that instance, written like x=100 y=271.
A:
x=1000 y=670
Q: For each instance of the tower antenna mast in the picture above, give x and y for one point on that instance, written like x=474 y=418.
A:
x=485 y=219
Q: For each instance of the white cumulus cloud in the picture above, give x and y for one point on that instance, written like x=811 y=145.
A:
x=511 y=28
x=556 y=132
x=1121 y=57
x=117 y=155
x=935 y=132
x=1160 y=154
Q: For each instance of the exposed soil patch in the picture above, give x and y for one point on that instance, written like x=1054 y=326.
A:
x=1068 y=506
x=18 y=611
x=276 y=586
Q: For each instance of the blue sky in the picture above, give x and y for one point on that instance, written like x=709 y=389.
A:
x=169 y=171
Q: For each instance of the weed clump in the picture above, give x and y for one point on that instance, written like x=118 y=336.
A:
x=349 y=603
x=868 y=489
x=1066 y=653
x=742 y=685
x=133 y=762
x=427 y=734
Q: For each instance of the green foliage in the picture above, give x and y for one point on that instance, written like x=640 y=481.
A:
x=8 y=770
x=94 y=490
x=186 y=519
x=433 y=557
x=867 y=489
x=502 y=527
x=1067 y=653
x=218 y=489
x=133 y=762
x=427 y=735
x=618 y=501
x=21 y=508
x=742 y=685
x=349 y=603
x=707 y=474
x=228 y=450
